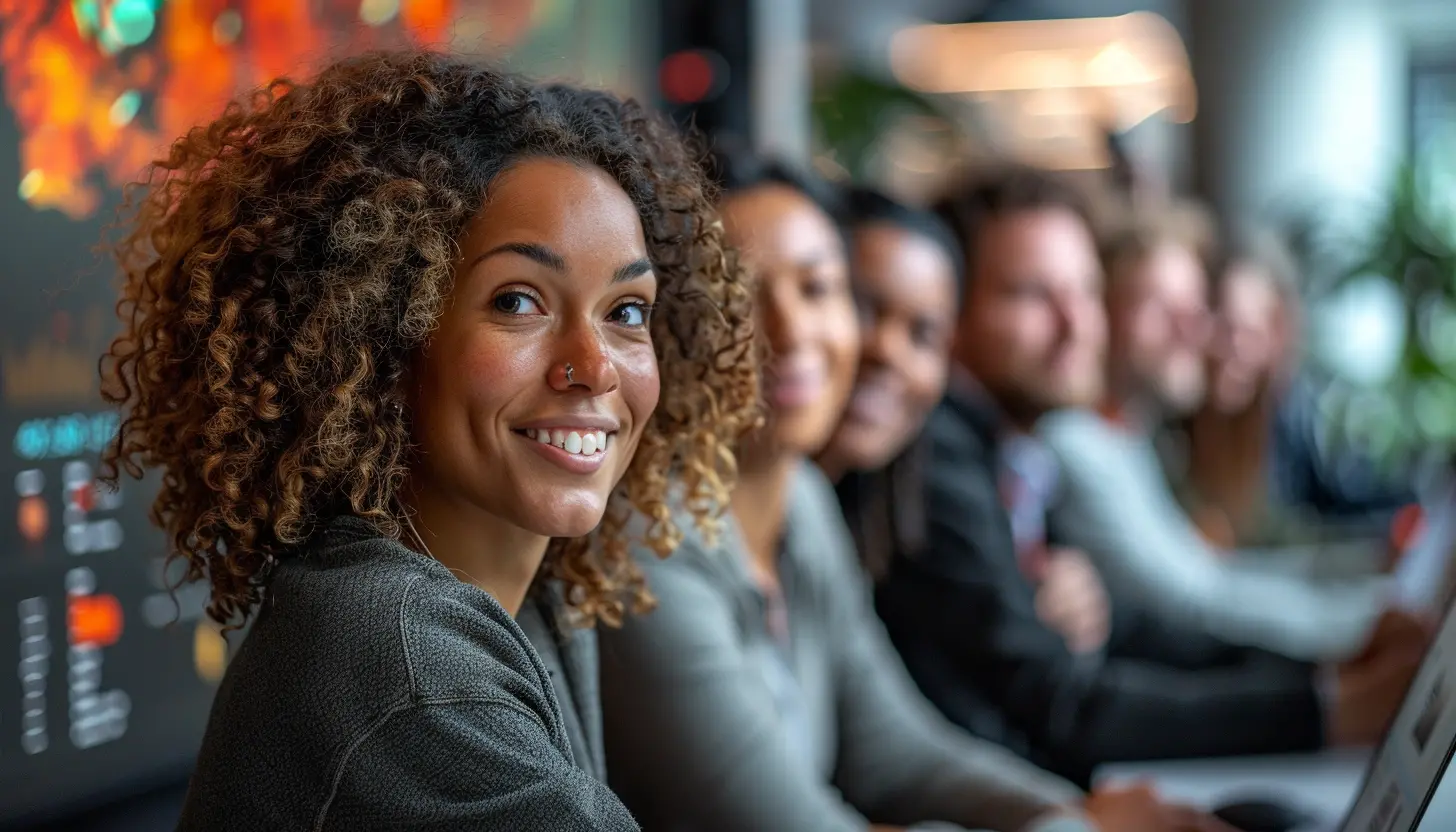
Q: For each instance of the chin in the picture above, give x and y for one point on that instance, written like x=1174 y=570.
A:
x=569 y=516
x=1183 y=399
x=801 y=433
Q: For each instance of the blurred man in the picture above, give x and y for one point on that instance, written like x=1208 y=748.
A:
x=1116 y=503
x=963 y=609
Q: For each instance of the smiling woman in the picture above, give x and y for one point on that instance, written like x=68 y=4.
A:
x=397 y=339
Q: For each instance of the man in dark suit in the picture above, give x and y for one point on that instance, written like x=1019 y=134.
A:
x=963 y=609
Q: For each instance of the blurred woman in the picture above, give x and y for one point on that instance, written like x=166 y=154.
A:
x=1232 y=461
x=906 y=272
x=389 y=335
x=763 y=692
x=1225 y=485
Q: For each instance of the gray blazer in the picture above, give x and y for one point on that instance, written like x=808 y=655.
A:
x=697 y=740
x=570 y=657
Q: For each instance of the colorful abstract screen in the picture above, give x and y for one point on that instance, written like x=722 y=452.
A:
x=105 y=676
x=98 y=87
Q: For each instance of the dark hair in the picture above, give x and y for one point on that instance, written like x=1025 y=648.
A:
x=734 y=168
x=287 y=261
x=993 y=193
x=1266 y=251
x=868 y=206
x=885 y=509
x=1138 y=232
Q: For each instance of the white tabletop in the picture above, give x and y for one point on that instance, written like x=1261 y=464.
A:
x=1325 y=783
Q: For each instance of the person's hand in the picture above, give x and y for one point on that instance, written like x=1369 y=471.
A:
x=1072 y=600
x=1399 y=629
x=1139 y=809
x=1216 y=530
x=1369 y=687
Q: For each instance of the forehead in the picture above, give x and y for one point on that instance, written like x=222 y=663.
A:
x=904 y=263
x=775 y=223
x=1170 y=272
x=1247 y=293
x=1037 y=241
x=569 y=204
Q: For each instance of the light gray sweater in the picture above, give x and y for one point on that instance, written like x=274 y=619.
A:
x=695 y=739
x=1117 y=506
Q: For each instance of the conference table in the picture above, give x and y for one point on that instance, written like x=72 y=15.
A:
x=1324 y=784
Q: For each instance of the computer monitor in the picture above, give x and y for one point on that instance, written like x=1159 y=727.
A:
x=105 y=685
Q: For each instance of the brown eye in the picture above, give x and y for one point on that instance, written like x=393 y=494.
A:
x=634 y=314
x=516 y=303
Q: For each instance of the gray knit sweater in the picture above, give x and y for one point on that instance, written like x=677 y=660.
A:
x=377 y=691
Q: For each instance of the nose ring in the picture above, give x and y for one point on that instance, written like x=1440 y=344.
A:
x=569 y=379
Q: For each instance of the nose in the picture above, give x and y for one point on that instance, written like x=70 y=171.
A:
x=1195 y=327
x=583 y=363
x=1082 y=317
x=784 y=322
x=1223 y=341
x=885 y=339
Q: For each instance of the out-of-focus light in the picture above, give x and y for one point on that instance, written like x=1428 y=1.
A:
x=378 y=12
x=125 y=108
x=227 y=27
x=130 y=22
x=31 y=184
x=87 y=14
x=1436 y=318
x=209 y=652
x=1434 y=409
x=1139 y=51
x=1360 y=331
x=692 y=76
x=94 y=620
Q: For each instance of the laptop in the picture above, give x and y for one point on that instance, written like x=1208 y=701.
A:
x=1405 y=786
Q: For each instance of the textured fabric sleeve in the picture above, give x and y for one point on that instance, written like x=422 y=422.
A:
x=899 y=758
x=465 y=765
x=693 y=739
x=1116 y=507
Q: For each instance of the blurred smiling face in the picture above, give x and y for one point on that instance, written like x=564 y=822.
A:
x=1032 y=328
x=1158 y=310
x=906 y=284
x=1250 y=344
x=806 y=308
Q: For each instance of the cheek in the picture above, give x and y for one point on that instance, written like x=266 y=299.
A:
x=490 y=369
x=641 y=382
x=842 y=342
x=465 y=378
x=925 y=382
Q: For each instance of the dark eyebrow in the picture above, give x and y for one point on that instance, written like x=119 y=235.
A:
x=556 y=263
x=531 y=251
x=632 y=270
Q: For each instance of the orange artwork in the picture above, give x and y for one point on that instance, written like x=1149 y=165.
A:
x=99 y=88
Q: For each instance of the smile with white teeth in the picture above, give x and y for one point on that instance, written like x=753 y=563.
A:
x=580 y=442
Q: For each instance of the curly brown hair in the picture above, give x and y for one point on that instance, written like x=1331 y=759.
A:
x=284 y=263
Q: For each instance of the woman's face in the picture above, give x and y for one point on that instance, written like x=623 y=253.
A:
x=806 y=307
x=553 y=272
x=1249 y=347
x=906 y=285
